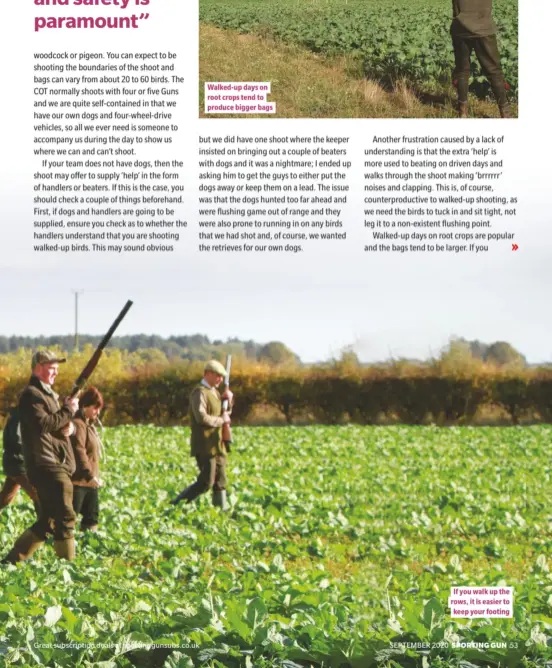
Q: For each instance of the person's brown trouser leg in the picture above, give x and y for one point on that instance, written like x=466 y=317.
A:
x=24 y=547
x=55 y=494
x=462 y=52
x=219 y=482
x=8 y=491
x=23 y=482
x=57 y=517
x=486 y=50
x=12 y=485
x=219 y=487
x=27 y=487
x=211 y=471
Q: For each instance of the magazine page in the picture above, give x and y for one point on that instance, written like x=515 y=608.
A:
x=274 y=359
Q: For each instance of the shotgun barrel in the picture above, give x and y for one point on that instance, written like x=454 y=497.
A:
x=93 y=361
x=226 y=429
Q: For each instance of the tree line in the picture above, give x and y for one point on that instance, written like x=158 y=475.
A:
x=201 y=347
x=186 y=347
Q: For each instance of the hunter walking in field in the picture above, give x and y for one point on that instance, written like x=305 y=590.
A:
x=207 y=418
x=14 y=464
x=45 y=431
x=473 y=29
x=87 y=448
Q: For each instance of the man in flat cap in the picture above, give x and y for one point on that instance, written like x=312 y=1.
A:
x=473 y=29
x=49 y=459
x=206 y=420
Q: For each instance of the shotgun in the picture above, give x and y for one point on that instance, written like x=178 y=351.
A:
x=226 y=429
x=93 y=361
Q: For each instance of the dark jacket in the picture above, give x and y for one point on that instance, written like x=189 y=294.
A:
x=86 y=448
x=12 y=459
x=44 y=445
x=472 y=18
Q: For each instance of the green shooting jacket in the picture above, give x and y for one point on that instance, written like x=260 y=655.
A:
x=472 y=18
x=206 y=422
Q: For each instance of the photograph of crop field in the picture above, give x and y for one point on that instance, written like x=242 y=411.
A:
x=342 y=541
x=349 y=58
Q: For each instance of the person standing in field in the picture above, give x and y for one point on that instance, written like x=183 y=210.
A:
x=45 y=430
x=473 y=29
x=87 y=448
x=206 y=420
x=14 y=464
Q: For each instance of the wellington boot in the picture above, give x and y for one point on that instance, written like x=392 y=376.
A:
x=463 y=110
x=505 y=111
x=219 y=499
x=24 y=547
x=65 y=549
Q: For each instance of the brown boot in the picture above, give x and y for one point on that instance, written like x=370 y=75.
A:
x=462 y=109
x=65 y=549
x=24 y=547
x=505 y=111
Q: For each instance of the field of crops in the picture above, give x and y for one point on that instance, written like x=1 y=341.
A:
x=395 y=39
x=340 y=541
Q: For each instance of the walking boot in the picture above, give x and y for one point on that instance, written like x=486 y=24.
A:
x=219 y=499
x=505 y=111
x=65 y=549
x=183 y=495
x=24 y=547
x=462 y=109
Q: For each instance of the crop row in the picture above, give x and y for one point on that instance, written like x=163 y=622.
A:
x=395 y=39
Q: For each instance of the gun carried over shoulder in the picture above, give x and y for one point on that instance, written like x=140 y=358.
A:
x=226 y=428
x=93 y=361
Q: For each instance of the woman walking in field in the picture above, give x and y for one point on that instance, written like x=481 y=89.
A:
x=87 y=447
x=473 y=29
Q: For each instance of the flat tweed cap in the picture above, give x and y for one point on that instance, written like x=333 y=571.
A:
x=46 y=357
x=216 y=367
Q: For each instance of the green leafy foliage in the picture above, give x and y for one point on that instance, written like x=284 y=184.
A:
x=340 y=541
x=395 y=39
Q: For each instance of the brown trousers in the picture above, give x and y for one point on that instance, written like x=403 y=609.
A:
x=12 y=485
x=486 y=51
x=55 y=496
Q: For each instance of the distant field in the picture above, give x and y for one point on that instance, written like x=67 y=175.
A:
x=341 y=541
x=393 y=39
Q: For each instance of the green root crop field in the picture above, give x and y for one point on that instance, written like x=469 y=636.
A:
x=394 y=39
x=340 y=548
